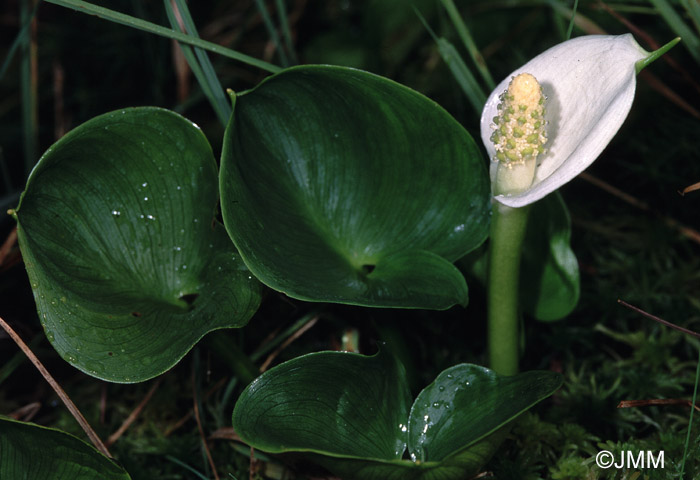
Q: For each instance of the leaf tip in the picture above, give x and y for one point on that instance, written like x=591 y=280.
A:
x=232 y=95
x=653 y=56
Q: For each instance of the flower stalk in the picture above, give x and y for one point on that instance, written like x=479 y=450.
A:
x=508 y=226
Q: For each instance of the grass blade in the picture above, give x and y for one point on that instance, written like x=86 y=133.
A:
x=129 y=21
x=286 y=32
x=199 y=62
x=219 y=96
x=693 y=9
x=571 y=22
x=288 y=332
x=18 y=41
x=212 y=79
x=189 y=55
x=272 y=31
x=30 y=134
x=581 y=21
x=465 y=78
x=469 y=43
x=690 y=39
x=462 y=74
x=29 y=88
x=184 y=465
x=690 y=421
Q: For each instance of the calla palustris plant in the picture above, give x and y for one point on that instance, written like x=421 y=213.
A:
x=543 y=125
x=362 y=184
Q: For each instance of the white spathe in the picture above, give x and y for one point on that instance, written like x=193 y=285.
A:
x=589 y=83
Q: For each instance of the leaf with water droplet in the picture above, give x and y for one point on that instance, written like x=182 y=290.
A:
x=119 y=278
x=477 y=402
x=348 y=412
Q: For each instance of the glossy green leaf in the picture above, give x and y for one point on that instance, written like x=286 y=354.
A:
x=31 y=452
x=461 y=466
x=282 y=412
x=350 y=413
x=128 y=265
x=549 y=280
x=338 y=185
x=467 y=402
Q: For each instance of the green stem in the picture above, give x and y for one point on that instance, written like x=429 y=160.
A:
x=507 y=233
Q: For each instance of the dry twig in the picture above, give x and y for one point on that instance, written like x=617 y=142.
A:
x=27 y=412
x=189 y=414
x=288 y=342
x=133 y=415
x=201 y=430
x=656 y=401
x=657 y=319
x=57 y=388
x=653 y=44
x=8 y=244
x=688 y=232
x=226 y=433
x=691 y=188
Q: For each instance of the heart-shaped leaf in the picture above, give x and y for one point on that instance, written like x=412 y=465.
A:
x=282 y=413
x=128 y=265
x=338 y=185
x=31 y=452
x=549 y=276
x=350 y=413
